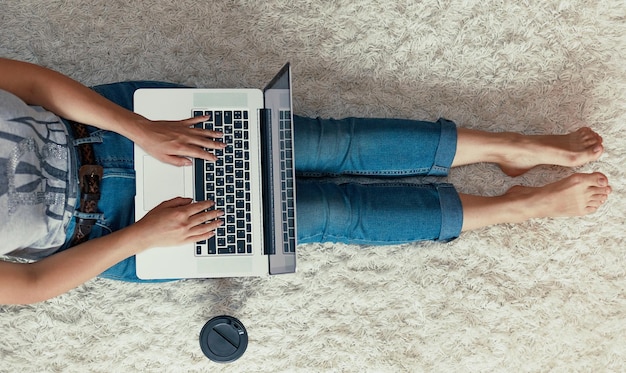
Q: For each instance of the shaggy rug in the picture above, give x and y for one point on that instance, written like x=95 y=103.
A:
x=545 y=295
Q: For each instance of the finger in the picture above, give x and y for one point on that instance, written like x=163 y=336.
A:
x=200 y=206
x=205 y=229
x=206 y=133
x=197 y=130
x=192 y=142
x=194 y=120
x=201 y=237
x=196 y=152
x=186 y=159
x=205 y=217
x=176 y=160
x=205 y=138
x=208 y=142
x=193 y=124
x=196 y=146
x=176 y=202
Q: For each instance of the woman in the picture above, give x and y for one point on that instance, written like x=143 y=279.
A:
x=44 y=218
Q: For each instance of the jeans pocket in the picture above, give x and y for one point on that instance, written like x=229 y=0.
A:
x=117 y=201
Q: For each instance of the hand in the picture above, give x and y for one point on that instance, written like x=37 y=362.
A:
x=173 y=141
x=168 y=141
x=178 y=221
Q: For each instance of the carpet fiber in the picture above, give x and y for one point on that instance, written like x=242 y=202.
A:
x=546 y=295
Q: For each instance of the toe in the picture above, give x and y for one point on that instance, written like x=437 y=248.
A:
x=601 y=179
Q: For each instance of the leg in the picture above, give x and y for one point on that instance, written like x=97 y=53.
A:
x=395 y=147
x=375 y=147
x=377 y=214
x=576 y=195
x=516 y=153
x=395 y=214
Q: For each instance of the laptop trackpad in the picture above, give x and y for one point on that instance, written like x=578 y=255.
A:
x=161 y=182
x=218 y=266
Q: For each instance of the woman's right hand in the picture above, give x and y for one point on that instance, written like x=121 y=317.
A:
x=178 y=221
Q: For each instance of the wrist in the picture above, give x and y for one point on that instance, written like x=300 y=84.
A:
x=135 y=128
x=141 y=235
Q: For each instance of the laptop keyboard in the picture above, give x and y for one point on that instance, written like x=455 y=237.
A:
x=227 y=183
x=286 y=165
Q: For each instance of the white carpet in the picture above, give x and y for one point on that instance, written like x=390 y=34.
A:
x=547 y=295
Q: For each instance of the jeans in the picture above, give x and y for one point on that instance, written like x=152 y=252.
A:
x=382 y=213
x=389 y=212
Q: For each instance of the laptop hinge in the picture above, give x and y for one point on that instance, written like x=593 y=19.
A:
x=265 y=116
x=269 y=245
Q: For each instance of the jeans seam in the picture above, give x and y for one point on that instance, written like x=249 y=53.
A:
x=413 y=172
x=344 y=239
x=447 y=132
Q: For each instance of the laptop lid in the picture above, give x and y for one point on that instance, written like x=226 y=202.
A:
x=279 y=207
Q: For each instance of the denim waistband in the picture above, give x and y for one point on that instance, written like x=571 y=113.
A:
x=73 y=190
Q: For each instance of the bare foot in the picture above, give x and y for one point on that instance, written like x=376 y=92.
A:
x=527 y=151
x=576 y=195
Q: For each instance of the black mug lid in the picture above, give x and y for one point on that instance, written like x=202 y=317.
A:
x=223 y=339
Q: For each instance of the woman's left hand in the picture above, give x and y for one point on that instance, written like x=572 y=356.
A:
x=174 y=142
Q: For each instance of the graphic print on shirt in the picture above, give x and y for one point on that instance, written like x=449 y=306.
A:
x=32 y=170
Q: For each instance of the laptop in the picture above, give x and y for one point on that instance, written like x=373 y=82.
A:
x=252 y=181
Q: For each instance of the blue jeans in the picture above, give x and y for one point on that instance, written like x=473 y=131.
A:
x=390 y=212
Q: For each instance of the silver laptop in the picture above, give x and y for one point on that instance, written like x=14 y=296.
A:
x=252 y=181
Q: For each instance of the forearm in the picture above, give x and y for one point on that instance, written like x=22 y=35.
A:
x=171 y=142
x=68 y=269
x=67 y=98
x=171 y=223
